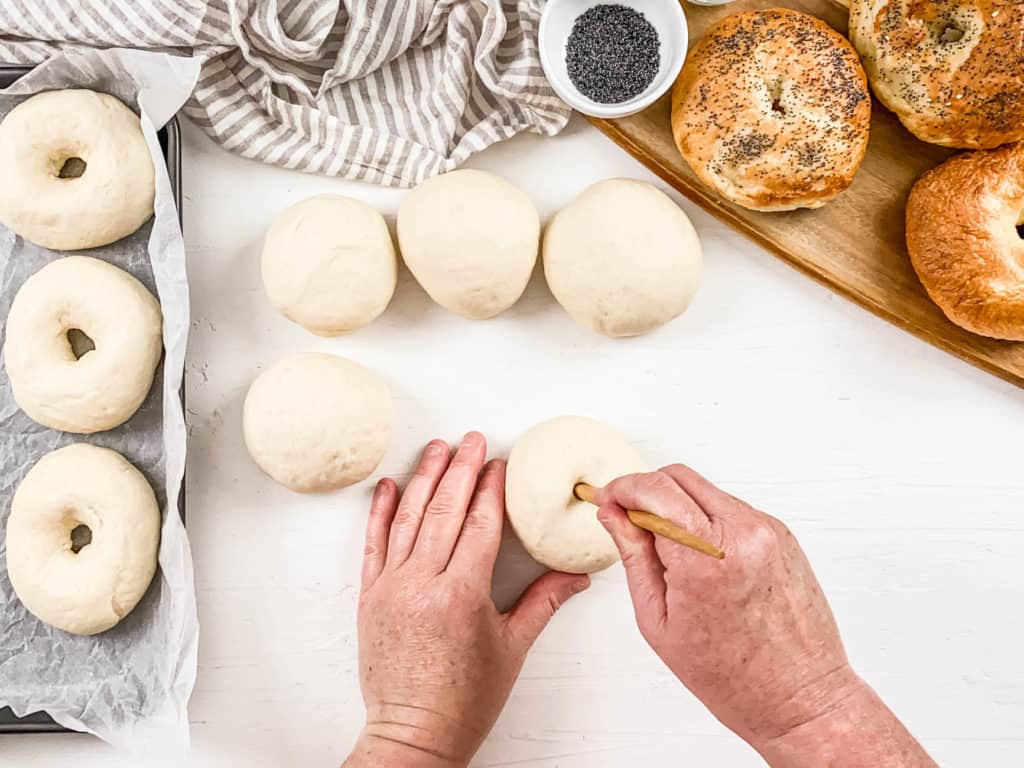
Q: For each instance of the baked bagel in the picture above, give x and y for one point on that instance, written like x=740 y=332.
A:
x=951 y=70
x=772 y=110
x=964 y=224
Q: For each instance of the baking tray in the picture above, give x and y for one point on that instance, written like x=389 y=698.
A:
x=170 y=141
x=856 y=244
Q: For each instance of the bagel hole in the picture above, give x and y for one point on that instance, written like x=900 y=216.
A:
x=951 y=34
x=80 y=342
x=72 y=168
x=777 y=107
x=81 y=537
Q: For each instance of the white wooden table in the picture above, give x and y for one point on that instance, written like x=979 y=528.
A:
x=898 y=467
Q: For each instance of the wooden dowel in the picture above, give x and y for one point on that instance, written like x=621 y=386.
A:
x=659 y=526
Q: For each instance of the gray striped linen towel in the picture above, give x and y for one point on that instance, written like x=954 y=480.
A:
x=385 y=91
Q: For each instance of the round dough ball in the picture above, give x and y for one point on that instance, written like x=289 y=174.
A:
x=317 y=422
x=329 y=264
x=470 y=238
x=622 y=258
x=106 y=385
x=111 y=198
x=547 y=462
x=90 y=590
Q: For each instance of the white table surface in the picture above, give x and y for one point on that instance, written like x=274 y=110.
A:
x=898 y=467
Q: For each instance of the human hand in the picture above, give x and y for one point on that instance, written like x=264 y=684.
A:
x=437 y=660
x=752 y=636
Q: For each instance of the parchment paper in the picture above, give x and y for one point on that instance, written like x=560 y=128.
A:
x=129 y=685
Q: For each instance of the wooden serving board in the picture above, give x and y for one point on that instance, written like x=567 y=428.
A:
x=855 y=245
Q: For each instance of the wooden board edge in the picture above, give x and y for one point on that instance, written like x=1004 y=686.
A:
x=710 y=203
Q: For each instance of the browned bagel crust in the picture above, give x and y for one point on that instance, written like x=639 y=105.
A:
x=965 y=91
x=772 y=110
x=963 y=241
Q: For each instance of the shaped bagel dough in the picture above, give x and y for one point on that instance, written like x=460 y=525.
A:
x=546 y=463
x=329 y=264
x=622 y=258
x=103 y=387
x=470 y=239
x=41 y=138
x=316 y=422
x=90 y=590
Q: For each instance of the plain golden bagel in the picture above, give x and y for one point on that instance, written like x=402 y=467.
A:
x=964 y=221
x=951 y=70
x=772 y=110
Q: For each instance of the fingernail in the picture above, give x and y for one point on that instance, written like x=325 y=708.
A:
x=470 y=438
x=580 y=585
x=433 y=450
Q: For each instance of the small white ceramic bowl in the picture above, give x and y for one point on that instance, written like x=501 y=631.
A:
x=556 y=23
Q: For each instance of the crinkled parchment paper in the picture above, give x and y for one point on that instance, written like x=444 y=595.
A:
x=129 y=685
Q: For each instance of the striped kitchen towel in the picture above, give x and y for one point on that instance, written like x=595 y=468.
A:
x=386 y=91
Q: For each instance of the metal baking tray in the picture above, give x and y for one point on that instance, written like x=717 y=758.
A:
x=170 y=141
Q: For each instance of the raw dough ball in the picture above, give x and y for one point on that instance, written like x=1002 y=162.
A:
x=106 y=385
x=111 y=198
x=317 y=422
x=329 y=264
x=622 y=258
x=90 y=590
x=547 y=462
x=470 y=238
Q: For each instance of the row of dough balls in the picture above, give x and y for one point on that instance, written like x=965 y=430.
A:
x=622 y=258
x=317 y=422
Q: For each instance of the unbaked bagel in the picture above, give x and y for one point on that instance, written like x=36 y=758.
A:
x=951 y=70
x=82 y=493
x=103 y=387
x=772 y=110
x=963 y=239
x=40 y=201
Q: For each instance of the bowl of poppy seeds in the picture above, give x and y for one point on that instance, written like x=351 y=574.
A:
x=612 y=58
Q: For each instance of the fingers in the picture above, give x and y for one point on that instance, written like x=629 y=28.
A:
x=712 y=499
x=378 y=526
x=658 y=493
x=540 y=602
x=477 y=548
x=417 y=495
x=645 y=572
x=446 y=511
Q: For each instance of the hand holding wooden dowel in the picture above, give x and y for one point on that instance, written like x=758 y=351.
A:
x=659 y=526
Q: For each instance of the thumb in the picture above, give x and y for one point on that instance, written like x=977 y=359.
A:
x=541 y=601
x=645 y=573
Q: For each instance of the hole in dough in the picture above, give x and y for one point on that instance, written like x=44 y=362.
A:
x=81 y=537
x=951 y=34
x=80 y=342
x=1020 y=230
x=72 y=168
